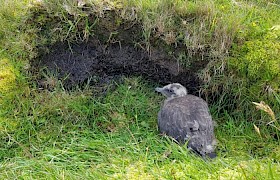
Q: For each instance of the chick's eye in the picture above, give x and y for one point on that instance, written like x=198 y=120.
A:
x=171 y=90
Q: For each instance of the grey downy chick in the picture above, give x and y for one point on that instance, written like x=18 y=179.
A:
x=186 y=118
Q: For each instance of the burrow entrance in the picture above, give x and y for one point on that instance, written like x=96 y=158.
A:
x=78 y=63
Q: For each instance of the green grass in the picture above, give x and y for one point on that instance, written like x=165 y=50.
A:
x=75 y=134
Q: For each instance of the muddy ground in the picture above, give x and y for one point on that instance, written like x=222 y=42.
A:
x=93 y=62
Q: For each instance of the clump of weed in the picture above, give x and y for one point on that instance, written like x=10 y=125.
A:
x=195 y=26
x=251 y=71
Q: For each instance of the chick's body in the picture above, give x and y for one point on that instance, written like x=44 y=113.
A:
x=186 y=118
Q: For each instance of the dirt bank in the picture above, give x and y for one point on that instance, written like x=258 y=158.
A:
x=77 y=63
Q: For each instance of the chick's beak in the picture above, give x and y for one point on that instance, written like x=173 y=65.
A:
x=159 y=89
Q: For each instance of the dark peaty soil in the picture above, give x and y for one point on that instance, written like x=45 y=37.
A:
x=78 y=63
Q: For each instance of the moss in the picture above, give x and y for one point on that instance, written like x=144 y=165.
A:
x=7 y=76
x=257 y=61
x=7 y=85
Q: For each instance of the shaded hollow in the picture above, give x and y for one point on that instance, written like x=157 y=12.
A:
x=77 y=63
